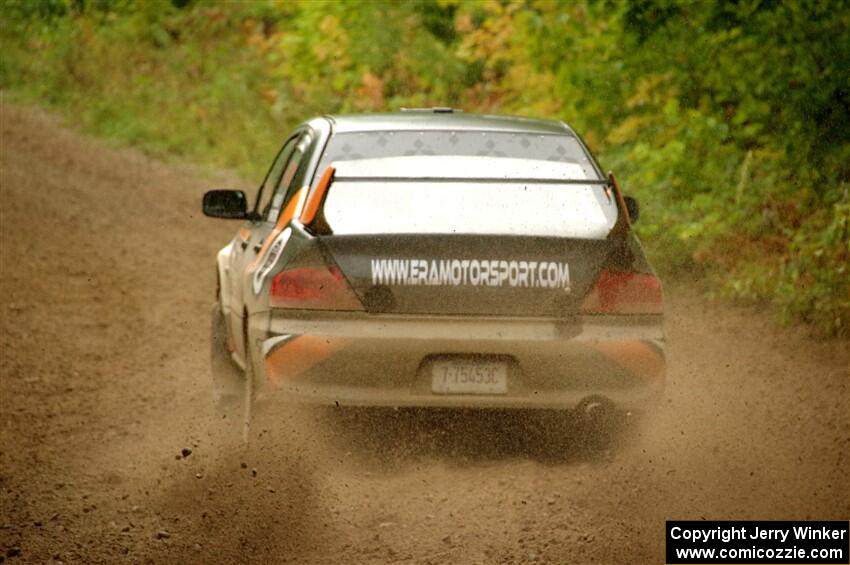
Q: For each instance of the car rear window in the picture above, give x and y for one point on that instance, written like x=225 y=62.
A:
x=378 y=144
x=468 y=195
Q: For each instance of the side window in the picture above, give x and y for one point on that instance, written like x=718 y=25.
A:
x=264 y=195
x=292 y=177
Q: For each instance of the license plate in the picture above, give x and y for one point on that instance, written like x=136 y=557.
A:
x=469 y=377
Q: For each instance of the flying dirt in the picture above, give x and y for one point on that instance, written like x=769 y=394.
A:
x=110 y=452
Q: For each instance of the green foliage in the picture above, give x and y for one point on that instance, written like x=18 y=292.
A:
x=729 y=120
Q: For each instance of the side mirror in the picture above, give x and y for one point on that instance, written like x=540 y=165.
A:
x=227 y=204
x=632 y=208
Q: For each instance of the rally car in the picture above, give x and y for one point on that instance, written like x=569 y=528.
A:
x=435 y=258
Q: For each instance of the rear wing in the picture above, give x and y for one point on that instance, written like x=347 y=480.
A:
x=312 y=214
x=316 y=197
x=624 y=223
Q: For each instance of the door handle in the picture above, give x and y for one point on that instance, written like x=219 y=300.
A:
x=257 y=247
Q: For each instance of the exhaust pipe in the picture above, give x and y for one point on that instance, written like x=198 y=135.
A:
x=595 y=409
x=599 y=422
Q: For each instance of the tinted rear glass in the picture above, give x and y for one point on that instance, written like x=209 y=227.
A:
x=379 y=144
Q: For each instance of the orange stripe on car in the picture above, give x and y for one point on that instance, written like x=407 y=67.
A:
x=282 y=221
x=317 y=194
x=298 y=355
x=640 y=358
x=289 y=212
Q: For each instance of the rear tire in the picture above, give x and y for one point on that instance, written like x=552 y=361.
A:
x=247 y=400
x=229 y=382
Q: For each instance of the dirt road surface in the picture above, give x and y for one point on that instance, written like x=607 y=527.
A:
x=106 y=283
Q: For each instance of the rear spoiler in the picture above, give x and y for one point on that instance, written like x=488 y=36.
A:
x=623 y=223
x=316 y=197
x=476 y=179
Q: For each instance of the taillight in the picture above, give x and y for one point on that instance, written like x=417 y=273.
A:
x=313 y=288
x=621 y=292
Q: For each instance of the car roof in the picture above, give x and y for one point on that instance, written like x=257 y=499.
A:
x=440 y=119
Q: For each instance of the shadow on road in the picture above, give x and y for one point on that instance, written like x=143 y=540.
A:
x=390 y=439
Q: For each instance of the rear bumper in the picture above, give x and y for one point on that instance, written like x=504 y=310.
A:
x=362 y=360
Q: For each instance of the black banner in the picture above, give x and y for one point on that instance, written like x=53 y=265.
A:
x=760 y=542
